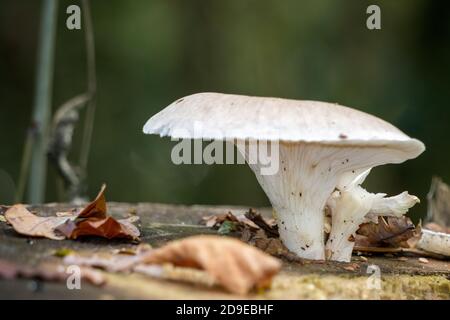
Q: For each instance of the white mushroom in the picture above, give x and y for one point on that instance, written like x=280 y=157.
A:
x=320 y=146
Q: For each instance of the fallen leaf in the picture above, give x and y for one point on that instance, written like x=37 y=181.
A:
x=26 y=223
x=268 y=225
x=235 y=265
x=215 y=221
x=48 y=272
x=91 y=221
x=94 y=221
x=389 y=231
x=235 y=223
x=2 y=218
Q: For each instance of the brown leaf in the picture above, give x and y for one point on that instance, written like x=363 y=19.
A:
x=215 y=221
x=235 y=265
x=94 y=221
x=389 y=231
x=268 y=225
x=47 y=271
x=91 y=221
x=26 y=223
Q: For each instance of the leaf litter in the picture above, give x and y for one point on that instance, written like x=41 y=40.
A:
x=93 y=220
x=230 y=263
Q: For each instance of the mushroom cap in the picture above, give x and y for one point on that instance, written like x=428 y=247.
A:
x=228 y=116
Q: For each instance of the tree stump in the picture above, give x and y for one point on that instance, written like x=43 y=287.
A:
x=368 y=277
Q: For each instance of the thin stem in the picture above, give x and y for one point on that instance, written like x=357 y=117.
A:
x=24 y=166
x=92 y=86
x=42 y=103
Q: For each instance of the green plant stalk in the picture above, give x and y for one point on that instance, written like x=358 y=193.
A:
x=42 y=102
x=91 y=86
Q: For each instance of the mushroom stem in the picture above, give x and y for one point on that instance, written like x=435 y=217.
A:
x=298 y=192
x=354 y=205
x=348 y=208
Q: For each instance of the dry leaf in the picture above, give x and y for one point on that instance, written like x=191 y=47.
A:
x=47 y=271
x=91 y=221
x=94 y=221
x=228 y=222
x=26 y=223
x=268 y=225
x=235 y=265
x=389 y=231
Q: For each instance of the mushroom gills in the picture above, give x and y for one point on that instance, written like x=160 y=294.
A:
x=299 y=190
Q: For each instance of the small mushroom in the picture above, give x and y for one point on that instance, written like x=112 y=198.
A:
x=322 y=148
x=351 y=206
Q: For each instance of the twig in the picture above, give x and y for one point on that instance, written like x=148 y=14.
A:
x=24 y=166
x=42 y=106
x=92 y=86
x=413 y=251
x=60 y=144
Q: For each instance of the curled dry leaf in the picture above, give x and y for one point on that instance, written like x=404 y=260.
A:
x=94 y=221
x=91 y=221
x=26 y=223
x=268 y=225
x=228 y=222
x=235 y=265
x=389 y=231
x=255 y=230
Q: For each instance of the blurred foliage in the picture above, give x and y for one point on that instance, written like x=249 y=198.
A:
x=150 y=53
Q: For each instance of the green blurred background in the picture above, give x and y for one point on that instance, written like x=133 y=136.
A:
x=151 y=52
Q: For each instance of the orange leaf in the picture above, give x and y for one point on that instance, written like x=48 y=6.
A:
x=235 y=265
